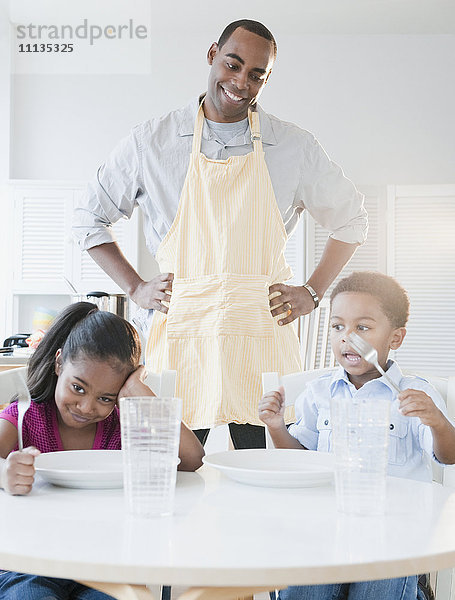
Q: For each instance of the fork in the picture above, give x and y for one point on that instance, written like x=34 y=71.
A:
x=23 y=404
x=370 y=354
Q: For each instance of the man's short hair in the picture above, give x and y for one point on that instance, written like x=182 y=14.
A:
x=392 y=297
x=253 y=27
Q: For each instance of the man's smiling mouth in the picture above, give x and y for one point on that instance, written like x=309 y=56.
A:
x=232 y=96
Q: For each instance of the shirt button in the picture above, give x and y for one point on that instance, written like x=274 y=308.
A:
x=392 y=426
x=326 y=422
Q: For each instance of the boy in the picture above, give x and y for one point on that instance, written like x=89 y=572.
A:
x=376 y=307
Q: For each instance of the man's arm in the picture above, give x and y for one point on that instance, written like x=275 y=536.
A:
x=335 y=256
x=147 y=294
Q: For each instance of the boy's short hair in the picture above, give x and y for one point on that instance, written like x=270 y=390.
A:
x=392 y=297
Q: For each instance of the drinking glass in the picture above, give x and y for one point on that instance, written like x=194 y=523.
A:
x=360 y=439
x=150 y=429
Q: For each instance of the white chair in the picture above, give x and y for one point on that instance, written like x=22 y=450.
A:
x=294 y=384
x=313 y=331
x=162 y=384
x=8 y=385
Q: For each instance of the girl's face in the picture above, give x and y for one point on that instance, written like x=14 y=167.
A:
x=86 y=390
x=363 y=314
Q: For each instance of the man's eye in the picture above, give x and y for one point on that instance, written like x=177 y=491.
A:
x=78 y=389
x=231 y=66
x=255 y=77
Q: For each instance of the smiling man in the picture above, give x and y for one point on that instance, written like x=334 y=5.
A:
x=222 y=185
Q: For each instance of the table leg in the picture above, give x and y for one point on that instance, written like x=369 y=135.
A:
x=214 y=593
x=122 y=591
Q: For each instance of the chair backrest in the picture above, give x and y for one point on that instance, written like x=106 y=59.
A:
x=295 y=383
x=7 y=384
x=313 y=332
x=446 y=387
x=162 y=384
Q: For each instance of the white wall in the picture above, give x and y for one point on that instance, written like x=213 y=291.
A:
x=381 y=104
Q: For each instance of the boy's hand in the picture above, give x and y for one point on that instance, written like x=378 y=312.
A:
x=271 y=409
x=415 y=403
x=134 y=385
x=19 y=471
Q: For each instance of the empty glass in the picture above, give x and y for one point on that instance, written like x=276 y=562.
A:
x=150 y=429
x=360 y=430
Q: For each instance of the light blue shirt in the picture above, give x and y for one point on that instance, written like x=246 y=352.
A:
x=410 y=442
x=148 y=168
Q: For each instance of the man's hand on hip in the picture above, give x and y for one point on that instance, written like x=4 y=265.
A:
x=154 y=294
x=291 y=302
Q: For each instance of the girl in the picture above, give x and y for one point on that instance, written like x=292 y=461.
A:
x=86 y=360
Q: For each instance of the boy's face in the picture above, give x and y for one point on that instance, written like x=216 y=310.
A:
x=362 y=313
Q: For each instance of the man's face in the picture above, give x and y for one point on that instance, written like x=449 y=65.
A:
x=239 y=71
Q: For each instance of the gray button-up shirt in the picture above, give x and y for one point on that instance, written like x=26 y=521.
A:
x=148 y=168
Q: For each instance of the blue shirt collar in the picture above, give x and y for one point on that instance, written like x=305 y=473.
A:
x=340 y=377
x=188 y=117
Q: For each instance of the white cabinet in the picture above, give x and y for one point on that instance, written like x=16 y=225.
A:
x=44 y=251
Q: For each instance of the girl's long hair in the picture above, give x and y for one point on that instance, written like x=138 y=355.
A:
x=81 y=330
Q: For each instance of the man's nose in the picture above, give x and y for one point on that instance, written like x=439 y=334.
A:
x=240 y=80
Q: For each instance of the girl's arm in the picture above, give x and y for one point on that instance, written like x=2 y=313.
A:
x=17 y=470
x=190 y=450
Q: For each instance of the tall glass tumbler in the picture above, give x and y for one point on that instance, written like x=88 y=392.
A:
x=360 y=439
x=150 y=429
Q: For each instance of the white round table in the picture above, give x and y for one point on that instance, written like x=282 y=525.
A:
x=227 y=534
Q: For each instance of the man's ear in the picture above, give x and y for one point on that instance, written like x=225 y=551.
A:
x=212 y=53
x=397 y=338
x=267 y=77
x=58 y=362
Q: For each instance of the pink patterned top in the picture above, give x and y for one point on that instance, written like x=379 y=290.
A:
x=40 y=428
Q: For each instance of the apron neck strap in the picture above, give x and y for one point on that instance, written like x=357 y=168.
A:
x=255 y=129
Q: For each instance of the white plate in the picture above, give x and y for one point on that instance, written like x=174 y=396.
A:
x=82 y=468
x=275 y=468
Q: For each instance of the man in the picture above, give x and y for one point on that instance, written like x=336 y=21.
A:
x=221 y=185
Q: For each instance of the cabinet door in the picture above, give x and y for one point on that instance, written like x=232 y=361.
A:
x=87 y=275
x=42 y=220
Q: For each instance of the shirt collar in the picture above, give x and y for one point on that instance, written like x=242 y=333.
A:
x=393 y=371
x=188 y=117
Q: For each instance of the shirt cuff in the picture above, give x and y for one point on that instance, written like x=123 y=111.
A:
x=90 y=239
x=351 y=235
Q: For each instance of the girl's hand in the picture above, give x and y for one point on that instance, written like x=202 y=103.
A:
x=271 y=409
x=134 y=384
x=415 y=403
x=19 y=471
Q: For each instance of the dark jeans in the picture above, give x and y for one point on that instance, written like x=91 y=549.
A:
x=243 y=436
x=19 y=586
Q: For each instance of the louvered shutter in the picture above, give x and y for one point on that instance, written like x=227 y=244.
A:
x=367 y=257
x=88 y=276
x=295 y=254
x=422 y=258
x=42 y=246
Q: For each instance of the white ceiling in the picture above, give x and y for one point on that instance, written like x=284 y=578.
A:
x=281 y=16
x=313 y=16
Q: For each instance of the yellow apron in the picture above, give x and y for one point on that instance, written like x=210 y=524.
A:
x=225 y=248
